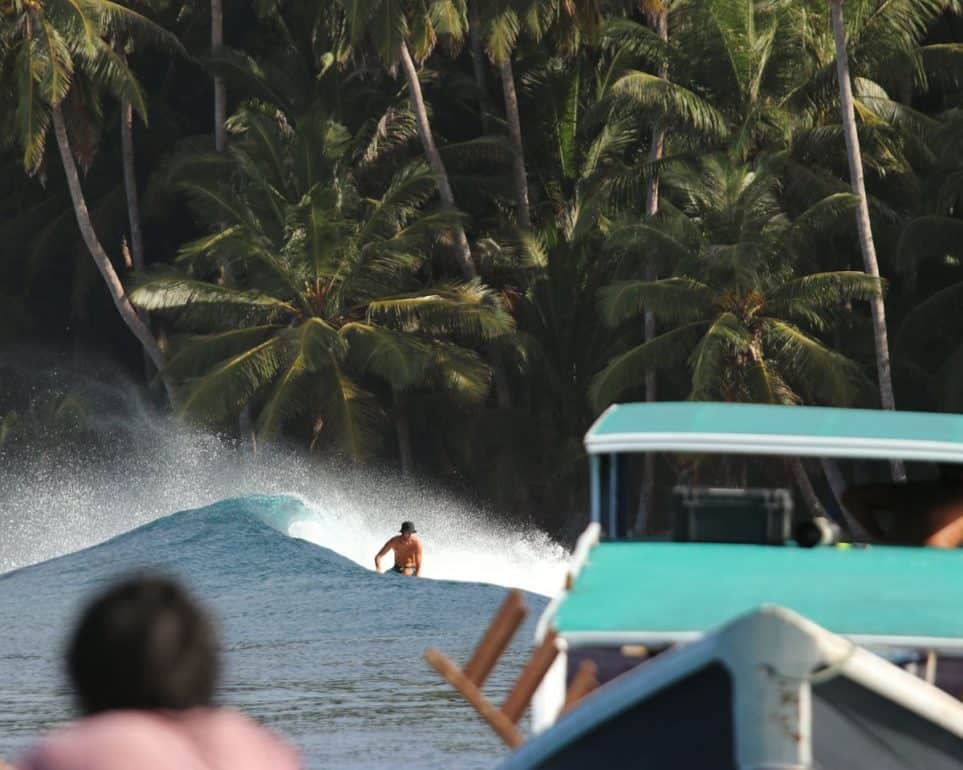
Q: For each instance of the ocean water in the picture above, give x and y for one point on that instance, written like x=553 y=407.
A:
x=316 y=644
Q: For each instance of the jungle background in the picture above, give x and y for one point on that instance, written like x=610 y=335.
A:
x=443 y=235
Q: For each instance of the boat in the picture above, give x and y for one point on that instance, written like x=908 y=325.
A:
x=724 y=643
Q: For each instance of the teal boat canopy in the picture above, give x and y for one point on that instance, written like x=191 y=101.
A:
x=652 y=593
x=768 y=429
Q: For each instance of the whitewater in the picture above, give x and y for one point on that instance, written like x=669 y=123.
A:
x=316 y=644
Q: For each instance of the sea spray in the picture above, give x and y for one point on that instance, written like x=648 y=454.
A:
x=135 y=465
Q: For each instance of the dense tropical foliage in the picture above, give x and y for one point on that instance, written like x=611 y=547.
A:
x=445 y=235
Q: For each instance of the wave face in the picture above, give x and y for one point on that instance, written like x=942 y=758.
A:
x=144 y=466
x=320 y=648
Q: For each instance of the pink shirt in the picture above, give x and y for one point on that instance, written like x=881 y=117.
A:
x=198 y=739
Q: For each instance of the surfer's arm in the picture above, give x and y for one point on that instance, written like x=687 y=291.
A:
x=382 y=552
x=418 y=560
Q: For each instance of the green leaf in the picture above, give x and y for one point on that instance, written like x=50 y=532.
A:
x=226 y=389
x=831 y=377
x=466 y=310
x=198 y=303
x=674 y=103
x=670 y=299
x=628 y=370
x=198 y=354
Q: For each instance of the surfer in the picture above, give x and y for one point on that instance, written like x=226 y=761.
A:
x=407 y=550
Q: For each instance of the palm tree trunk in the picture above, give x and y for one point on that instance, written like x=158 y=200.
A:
x=130 y=183
x=478 y=61
x=863 y=225
x=403 y=431
x=462 y=249
x=133 y=207
x=515 y=132
x=220 y=96
x=805 y=486
x=114 y=286
x=660 y=20
x=838 y=485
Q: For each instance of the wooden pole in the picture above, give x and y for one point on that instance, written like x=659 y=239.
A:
x=583 y=683
x=500 y=723
x=531 y=675
x=500 y=632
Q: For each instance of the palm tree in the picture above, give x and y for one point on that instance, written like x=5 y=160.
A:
x=49 y=48
x=739 y=315
x=386 y=22
x=736 y=312
x=863 y=224
x=330 y=301
x=502 y=28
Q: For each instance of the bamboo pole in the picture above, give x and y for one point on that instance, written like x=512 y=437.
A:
x=533 y=673
x=584 y=681
x=499 y=722
x=500 y=632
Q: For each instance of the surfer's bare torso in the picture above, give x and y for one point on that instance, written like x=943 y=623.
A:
x=407 y=552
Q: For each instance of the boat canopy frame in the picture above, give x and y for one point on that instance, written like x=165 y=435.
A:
x=758 y=429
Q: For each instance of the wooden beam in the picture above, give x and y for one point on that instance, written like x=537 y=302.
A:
x=500 y=632
x=502 y=725
x=533 y=673
x=584 y=681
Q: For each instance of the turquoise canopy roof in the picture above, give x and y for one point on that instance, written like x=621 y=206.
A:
x=767 y=429
x=650 y=592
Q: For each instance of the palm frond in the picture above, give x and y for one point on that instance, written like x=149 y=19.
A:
x=824 y=218
x=348 y=414
x=289 y=398
x=670 y=299
x=394 y=129
x=627 y=371
x=806 y=297
x=829 y=376
x=717 y=352
x=200 y=353
x=766 y=386
x=409 y=189
x=109 y=69
x=676 y=104
x=319 y=344
x=400 y=359
x=228 y=387
x=502 y=32
x=123 y=19
x=459 y=371
x=206 y=304
x=32 y=116
x=469 y=311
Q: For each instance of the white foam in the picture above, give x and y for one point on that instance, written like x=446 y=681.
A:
x=458 y=543
x=51 y=507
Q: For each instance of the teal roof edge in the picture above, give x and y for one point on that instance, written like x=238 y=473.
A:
x=770 y=429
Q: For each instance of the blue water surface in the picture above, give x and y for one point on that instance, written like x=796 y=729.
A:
x=320 y=649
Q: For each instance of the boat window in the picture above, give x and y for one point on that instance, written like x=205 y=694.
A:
x=686 y=725
x=857 y=729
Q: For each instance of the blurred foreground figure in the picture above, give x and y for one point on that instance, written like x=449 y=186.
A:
x=143 y=663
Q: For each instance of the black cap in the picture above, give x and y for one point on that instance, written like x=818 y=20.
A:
x=407 y=526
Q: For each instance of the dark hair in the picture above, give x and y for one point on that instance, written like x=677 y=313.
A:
x=143 y=644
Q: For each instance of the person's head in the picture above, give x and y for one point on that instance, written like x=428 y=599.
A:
x=143 y=644
x=407 y=530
